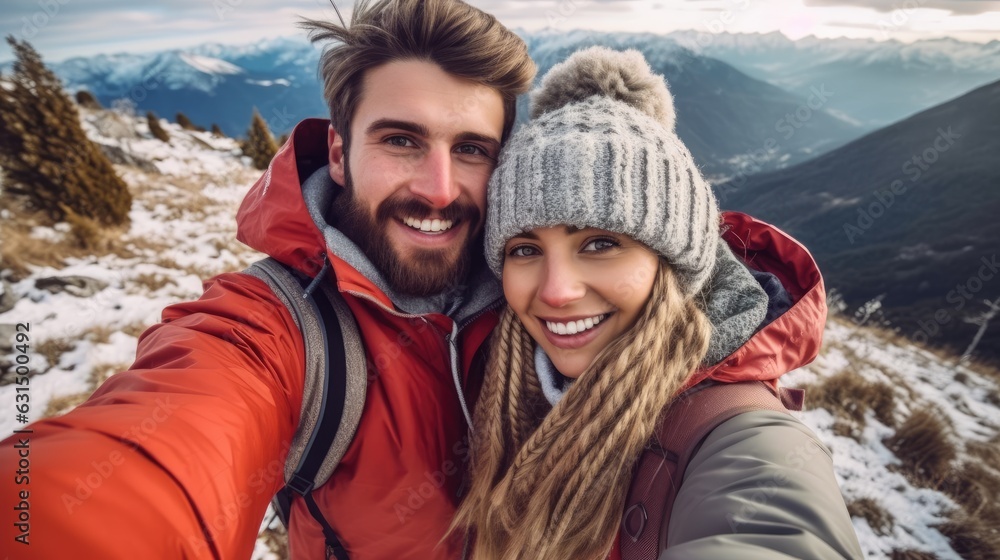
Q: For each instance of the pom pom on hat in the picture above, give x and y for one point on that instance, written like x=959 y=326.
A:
x=620 y=75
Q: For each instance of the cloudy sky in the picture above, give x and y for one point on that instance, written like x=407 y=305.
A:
x=61 y=29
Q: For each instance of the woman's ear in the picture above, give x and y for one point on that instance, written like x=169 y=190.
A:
x=337 y=156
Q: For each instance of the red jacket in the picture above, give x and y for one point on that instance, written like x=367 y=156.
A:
x=179 y=456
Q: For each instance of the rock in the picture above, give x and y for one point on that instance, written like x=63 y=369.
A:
x=79 y=286
x=7 y=333
x=121 y=157
x=7 y=297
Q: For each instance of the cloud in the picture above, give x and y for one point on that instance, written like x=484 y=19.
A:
x=956 y=7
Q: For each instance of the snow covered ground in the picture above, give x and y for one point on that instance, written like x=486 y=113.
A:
x=183 y=230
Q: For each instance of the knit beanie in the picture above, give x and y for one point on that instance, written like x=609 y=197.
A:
x=601 y=151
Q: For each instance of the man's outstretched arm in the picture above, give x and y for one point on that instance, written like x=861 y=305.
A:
x=177 y=457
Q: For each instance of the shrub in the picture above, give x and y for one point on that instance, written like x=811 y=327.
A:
x=86 y=233
x=971 y=538
x=86 y=99
x=184 y=122
x=260 y=146
x=923 y=446
x=46 y=157
x=868 y=509
x=849 y=396
x=216 y=131
x=155 y=129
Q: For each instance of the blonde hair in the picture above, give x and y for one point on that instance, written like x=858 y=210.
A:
x=464 y=41
x=551 y=484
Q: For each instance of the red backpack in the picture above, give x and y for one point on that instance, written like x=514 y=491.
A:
x=661 y=467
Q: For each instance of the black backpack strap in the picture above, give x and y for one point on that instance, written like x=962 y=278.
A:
x=660 y=470
x=335 y=386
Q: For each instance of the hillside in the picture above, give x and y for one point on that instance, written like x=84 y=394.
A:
x=907 y=213
x=914 y=438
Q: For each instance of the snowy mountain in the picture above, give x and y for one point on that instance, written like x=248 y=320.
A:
x=915 y=438
x=874 y=83
x=210 y=83
x=731 y=122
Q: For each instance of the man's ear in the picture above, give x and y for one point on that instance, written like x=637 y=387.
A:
x=337 y=161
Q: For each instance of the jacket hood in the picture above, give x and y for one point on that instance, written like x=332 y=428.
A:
x=789 y=339
x=273 y=217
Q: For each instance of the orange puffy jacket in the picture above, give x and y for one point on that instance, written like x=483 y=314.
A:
x=179 y=456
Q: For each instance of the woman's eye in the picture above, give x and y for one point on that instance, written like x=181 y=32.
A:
x=598 y=245
x=523 y=251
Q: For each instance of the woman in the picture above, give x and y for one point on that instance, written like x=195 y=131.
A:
x=621 y=294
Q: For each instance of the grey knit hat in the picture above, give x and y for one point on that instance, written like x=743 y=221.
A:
x=601 y=151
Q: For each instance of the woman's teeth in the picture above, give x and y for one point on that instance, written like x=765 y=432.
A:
x=575 y=327
x=429 y=226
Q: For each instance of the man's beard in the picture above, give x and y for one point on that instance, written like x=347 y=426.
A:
x=426 y=272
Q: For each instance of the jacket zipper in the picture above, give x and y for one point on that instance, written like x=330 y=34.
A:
x=450 y=339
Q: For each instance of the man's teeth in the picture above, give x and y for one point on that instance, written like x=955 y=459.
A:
x=575 y=327
x=430 y=226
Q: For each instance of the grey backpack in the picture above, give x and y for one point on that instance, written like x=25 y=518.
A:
x=335 y=384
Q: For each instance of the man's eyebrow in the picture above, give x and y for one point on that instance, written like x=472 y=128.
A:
x=385 y=124
x=421 y=130
x=492 y=142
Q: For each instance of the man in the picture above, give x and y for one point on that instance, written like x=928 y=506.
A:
x=180 y=455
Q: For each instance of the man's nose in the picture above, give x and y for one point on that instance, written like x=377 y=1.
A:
x=435 y=180
x=561 y=283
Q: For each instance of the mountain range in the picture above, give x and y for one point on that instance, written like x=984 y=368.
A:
x=746 y=103
x=906 y=215
x=874 y=83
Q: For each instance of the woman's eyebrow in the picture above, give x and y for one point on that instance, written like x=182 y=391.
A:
x=570 y=230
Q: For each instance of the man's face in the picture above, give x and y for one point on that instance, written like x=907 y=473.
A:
x=423 y=146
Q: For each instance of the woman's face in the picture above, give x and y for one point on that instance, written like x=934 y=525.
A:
x=576 y=290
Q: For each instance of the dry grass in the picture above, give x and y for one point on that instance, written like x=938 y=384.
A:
x=988 y=452
x=924 y=446
x=972 y=538
x=152 y=282
x=976 y=488
x=880 y=520
x=98 y=375
x=911 y=555
x=849 y=396
x=848 y=429
x=61 y=405
x=20 y=251
x=134 y=329
x=276 y=540
x=53 y=349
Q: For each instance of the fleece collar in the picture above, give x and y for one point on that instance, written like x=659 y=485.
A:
x=319 y=191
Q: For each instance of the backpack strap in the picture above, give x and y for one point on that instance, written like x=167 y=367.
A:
x=660 y=471
x=334 y=389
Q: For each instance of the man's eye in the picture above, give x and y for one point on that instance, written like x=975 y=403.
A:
x=399 y=141
x=471 y=150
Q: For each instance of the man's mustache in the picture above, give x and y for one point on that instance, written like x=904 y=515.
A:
x=456 y=211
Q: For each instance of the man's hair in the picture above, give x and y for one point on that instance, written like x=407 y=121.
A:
x=464 y=41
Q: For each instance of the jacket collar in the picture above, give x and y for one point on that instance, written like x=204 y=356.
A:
x=792 y=339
